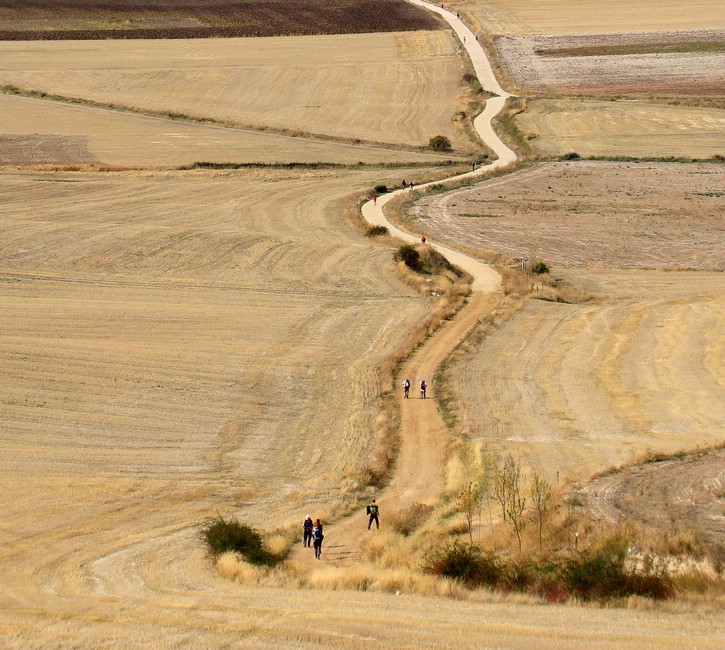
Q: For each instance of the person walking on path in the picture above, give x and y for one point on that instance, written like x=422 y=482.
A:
x=406 y=388
x=373 y=514
x=307 y=532
x=317 y=538
x=375 y=198
x=423 y=388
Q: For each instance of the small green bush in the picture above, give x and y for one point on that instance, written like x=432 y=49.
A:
x=381 y=189
x=465 y=563
x=440 y=143
x=376 y=231
x=539 y=267
x=409 y=256
x=222 y=536
x=572 y=155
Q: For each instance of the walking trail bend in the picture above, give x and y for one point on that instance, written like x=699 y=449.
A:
x=419 y=471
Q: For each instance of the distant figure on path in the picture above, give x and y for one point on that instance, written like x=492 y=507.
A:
x=423 y=388
x=307 y=532
x=473 y=165
x=404 y=183
x=317 y=538
x=373 y=513
x=422 y=239
x=406 y=388
x=411 y=185
x=375 y=198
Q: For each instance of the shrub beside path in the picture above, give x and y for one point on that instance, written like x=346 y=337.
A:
x=419 y=472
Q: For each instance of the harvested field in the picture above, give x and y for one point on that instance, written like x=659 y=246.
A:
x=587 y=214
x=175 y=346
x=591 y=16
x=631 y=64
x=637 y=368
x=574 y=389
x=382 y=88
x=42 y=132
x=622 y=129
x=96 y=19
x=683 y=497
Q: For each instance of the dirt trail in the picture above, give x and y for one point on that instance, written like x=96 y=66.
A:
x=420 y=470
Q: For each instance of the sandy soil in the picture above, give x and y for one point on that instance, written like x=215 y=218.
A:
x=393 y=88
x=591 y=16
x=37 y=132
x=584 y=214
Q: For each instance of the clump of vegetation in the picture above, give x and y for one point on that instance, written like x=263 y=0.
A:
x=381 y=189
x=410 y=256
x=539 y=267
x=440 y=143
x=410 y=519
x=597 y=575
x=472 y=80
x=222 y=536
x=463 y=562
x=572 y=155
x=377 y=231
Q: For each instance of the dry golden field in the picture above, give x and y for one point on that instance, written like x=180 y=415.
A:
x=42 y=132
x=177 y=345
x=625 y=128
x=392 y=88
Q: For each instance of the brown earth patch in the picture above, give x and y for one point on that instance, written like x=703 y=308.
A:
x=582 y=214
x=44 y=150
x=96 y=19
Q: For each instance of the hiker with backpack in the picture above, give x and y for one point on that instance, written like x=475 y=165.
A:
x=317 y=538
x=373 y=512
x=406 y=388
x=307 y=532
x=423 y=388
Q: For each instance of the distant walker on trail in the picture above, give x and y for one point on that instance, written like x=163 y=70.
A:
x=406 y=388
x=423 y=388
x=307 y=532
x=317 y=538
x=373 y=513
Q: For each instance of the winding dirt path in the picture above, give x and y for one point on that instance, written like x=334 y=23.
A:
x=420 y=470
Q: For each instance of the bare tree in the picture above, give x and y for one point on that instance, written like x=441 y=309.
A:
x=499 y=489
x=540 y=498
x=467 y=503
x=515 y=502
x=485 y=485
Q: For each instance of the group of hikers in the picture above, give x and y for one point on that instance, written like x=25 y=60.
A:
x=312 y=533
x=406 y=388
x=312 y=530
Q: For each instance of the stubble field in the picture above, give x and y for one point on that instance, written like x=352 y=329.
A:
x=399 y=89
x=178 y=345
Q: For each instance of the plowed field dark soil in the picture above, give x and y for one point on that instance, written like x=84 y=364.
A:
x=100 y=19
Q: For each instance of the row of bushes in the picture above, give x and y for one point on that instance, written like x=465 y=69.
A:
x=599 y=575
